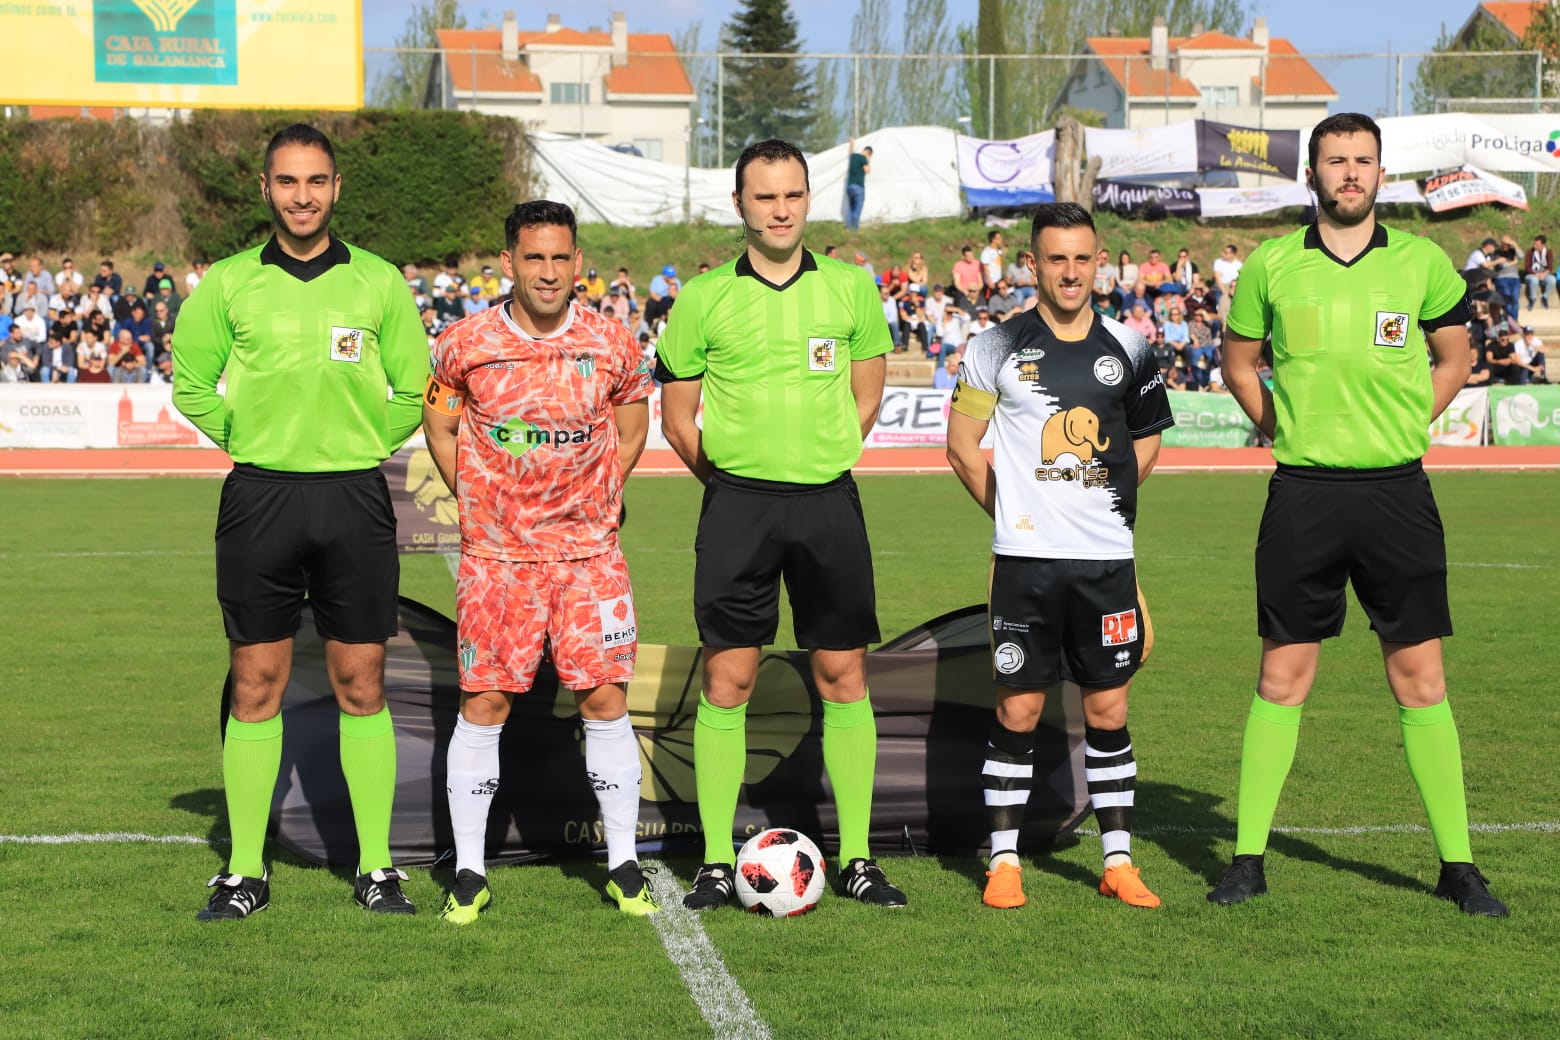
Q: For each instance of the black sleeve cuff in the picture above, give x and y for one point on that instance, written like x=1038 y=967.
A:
x=1458 y=315
x=664 y=374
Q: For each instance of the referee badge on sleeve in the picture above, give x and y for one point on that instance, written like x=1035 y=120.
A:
x=1391 y=328
x=346 y=344
x=820 y=354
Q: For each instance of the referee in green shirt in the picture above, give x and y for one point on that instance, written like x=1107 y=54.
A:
x=310 y=332
x=788 y=349
x=1350 y=307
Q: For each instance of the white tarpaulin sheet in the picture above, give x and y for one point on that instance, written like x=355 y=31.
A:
x=1140 y=153
x=914 y=176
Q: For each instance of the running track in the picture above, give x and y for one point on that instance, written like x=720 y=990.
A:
x=148 y=462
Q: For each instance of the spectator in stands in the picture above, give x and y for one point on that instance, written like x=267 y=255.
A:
x=1106 y=280
x=1502 y=357
x=891 y=315
x=624 y=283
x=1105 y=304
x=660 y=285
x=10 y=281
x=1182 y=273
x=1479 y=373
x=126 y=303
x=1199 y=297
x=913 y=321
x=162 y=369
x=615 y=306
x=447 y=306
x=415 y=281
x=1134 y=297
x=1139 y=321
x=486 y=283
x=936 y=305
x=982 y=322
x=862 y=262
x=126 y=358
x=108 y=280
x=1153 y=273
x=31 y=325
x=991 y=261
x=1482 y=258
x=1539 y=272
x=966 y=278
x=193 y=276
x=57 y=364
x=1529 y=352
x=1001 y=302
x=167 y=294
x=474 y=301
x=1226 y=272
x=13 y=354
x=94 y=299
x=67 y=280
x=955 y=328
x=1126 y=278
x=92 y=359
x=1177 y=336
x=895 y=278
x=162 y=328
x=594 y=284
x=1022 y=276
x=100 y=325
x=1508 y=275
x=41 y=279
x=159 y=272
x=449 y=276
x=1205 y=334
x=30 y=296
x=658 y=307
x=1166 y=302
x=139 y=326
x=1484 y=303
x=947 y=376
x=916 y=271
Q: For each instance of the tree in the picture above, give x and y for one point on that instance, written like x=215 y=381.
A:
x=405 y=84
x=701 y=73
x=928 y=92
x=765 y=97
x=873 y=94
x=1459 y=69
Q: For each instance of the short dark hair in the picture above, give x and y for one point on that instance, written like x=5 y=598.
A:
x=302 y=134
x=991 y=236
x=537 y=213
x=1058 y=215
x=1343 y=123
x=1541 y=238
x=772 y=150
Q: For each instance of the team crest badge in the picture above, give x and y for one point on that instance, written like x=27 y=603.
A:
x=468 y=654
x=820 y=354
x=585 y=365
x=1391 y=329
x=1108 y=370
x=346 y=344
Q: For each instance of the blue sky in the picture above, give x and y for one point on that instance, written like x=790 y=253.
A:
x=1317 y=27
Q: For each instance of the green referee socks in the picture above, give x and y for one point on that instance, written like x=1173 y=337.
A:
x=1266 y=753
x=850 y=756
x=368 y=763
x=251 y=760
x=1435 y=762
x=719 y=760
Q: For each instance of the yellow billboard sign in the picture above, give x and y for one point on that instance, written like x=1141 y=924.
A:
x=185 y=53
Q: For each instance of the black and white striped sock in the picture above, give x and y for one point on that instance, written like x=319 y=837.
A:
x=1007 y=776
x=1111 y=772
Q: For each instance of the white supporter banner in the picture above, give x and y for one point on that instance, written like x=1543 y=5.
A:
x=1470 y=186
x=1242 y=202
x=1463 y=423
x=1139 y=153
x=1018 y=165
x=911 y=417
x=114 y=415
x=1509 y=143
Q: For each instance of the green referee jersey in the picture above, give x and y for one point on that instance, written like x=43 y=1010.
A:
x=1351 y=377
x=310 y=348
x=775 y=360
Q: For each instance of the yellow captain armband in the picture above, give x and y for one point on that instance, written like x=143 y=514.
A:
x=977 y=404
x=442 y=399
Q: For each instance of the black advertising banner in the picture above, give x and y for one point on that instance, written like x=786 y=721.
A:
x=1221 y=146
x=427 y=518
x=1150 y=201
x=931 y=692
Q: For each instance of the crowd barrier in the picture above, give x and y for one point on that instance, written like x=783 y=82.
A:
x=143 y=416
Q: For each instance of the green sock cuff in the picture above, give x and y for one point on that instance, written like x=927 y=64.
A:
x=270 y=729
x=367 y=727
x=1433 y=715
x=716 y=717
x=1277 y=714
x=847 y=716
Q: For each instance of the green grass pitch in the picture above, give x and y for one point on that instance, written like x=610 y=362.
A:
x=113 y=658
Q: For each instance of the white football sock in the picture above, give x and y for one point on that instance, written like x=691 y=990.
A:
x=612 y=766
x=471 y=778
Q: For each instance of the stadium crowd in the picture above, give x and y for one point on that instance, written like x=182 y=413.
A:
x=63 y=326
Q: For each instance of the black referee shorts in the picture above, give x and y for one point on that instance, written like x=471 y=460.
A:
x=753 y=532
x=329 y=537
x=1377 y=528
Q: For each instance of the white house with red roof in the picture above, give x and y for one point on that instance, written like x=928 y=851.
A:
x=1512 y=19
x=1140 y=82
x=614 y=87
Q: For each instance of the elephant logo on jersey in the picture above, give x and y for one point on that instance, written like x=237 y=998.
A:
x=1391 y=329
x=1075 y=430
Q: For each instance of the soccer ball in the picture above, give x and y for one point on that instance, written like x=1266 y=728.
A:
x=779 y=873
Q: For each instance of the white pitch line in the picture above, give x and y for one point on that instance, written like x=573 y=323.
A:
x=1540 y=826
x=111 y=837
x=105 y=552
x=719 y=998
